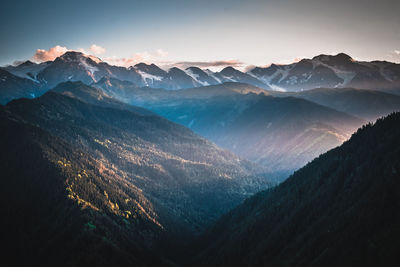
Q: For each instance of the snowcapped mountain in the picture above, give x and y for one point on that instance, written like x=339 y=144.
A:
x=230 y=74
x=330 y=72
x=151 y=75
x=323 y=71
x=173 y=79
x=75 y=66
x=204 y=78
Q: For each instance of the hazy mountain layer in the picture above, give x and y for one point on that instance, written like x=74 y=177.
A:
x=281 y=134
x=339 y=210
x=12 y=87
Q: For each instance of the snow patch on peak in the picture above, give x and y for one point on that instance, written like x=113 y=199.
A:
x=212 y=75
x=88 y=67
x=195 y=77
x=95 y=59
x=149 y=77
x=229 y=78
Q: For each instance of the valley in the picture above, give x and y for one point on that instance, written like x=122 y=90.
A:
x=105 y=165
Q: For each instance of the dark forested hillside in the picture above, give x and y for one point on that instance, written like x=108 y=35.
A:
x=339 y=210
x=84 y=175
x=173 y=166
x=61 y=207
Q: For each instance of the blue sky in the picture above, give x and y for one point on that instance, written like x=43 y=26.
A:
x=251 y=32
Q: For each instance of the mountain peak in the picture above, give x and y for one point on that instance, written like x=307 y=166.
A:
x=339 y=58
x=229 y=70
x=192 y=68
x=151 y=69
x=175 y=69
x=26 y=63
x=71 y=55
x=79 y=90
x=343 y=56
x=142 y=65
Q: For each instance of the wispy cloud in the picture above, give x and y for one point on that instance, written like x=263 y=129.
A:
x=207 y=64
x=96 y=49
x=42 y=55
x=397 y=52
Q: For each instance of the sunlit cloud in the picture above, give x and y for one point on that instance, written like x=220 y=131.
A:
x=394 y=56
x=146 y=57
x=82 y=50
x=42 y=55
x=96 y=49
x=249 y=68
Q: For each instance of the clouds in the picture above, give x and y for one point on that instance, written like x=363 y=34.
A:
x=42 y=55
x=208 y=64
x=96 y=49
x=147 y=57
x=159 y=57
x=394 y=56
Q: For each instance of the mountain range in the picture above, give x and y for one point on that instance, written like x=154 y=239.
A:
x=325 y=71
x=238 y=111
x=322 y=71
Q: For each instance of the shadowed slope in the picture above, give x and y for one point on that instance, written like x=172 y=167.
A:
x=339 y=210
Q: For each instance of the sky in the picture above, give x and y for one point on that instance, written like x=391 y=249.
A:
x=207 y=33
